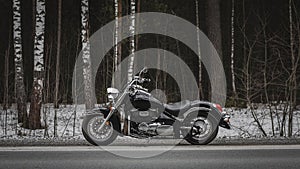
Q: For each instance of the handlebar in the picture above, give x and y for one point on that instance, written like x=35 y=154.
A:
x=144 y=70
x=142 y=80
x=139 y=79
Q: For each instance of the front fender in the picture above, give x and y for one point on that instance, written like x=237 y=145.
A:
x=99 y=110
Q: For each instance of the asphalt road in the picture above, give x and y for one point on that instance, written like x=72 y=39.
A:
x=212 y=157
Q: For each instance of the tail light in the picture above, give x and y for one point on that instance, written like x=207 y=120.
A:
x=219 y=107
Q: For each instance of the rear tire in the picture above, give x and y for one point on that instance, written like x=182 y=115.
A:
x=203 y=130
x=197 y=142
x=91 y=132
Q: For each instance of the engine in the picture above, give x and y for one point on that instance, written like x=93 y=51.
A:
x=143 y=116
x=155 y=129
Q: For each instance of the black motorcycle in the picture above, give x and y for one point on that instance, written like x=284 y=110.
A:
x=136 y=113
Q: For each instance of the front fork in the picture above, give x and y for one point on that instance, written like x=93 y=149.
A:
x=120 y=120
x=111 y=112
x=112 y=108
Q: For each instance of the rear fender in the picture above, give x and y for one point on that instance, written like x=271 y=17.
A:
x=211 y=114
x=201 y=110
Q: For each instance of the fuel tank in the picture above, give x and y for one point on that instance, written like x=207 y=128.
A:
x=143 y=101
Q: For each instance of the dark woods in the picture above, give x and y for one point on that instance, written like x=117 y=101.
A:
x=258 y=41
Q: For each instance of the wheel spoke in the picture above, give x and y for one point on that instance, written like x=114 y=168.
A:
x=201 y=128
x=94 y=129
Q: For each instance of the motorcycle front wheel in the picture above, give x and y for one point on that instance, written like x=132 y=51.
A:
x=91 y=132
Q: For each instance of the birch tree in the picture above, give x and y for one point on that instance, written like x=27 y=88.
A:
x=118 y=46
x=199 y=48
x=6 y=87
x=232 y=50
x=87 y=72
x=132 y=40
x=38 y=80
x=19 y=70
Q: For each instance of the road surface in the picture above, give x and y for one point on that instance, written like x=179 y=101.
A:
x=211 y=157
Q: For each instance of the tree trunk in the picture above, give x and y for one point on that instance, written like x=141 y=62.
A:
x=6 y=80
x=87 y=72
x=232 y=51
x=136 y=44
x=47 y=95
x=292 y=79
x=244 y=40
x=118 y=46
x=57 y=71
x=5 y=98
x=214 y=24
x=19 y=70
x=199 y=50
x=264 y=25
x=38 y=80
x=75 y=91
x=132 y=40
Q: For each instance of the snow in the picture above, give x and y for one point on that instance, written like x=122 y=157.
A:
x=243 y=125
x=65 y=119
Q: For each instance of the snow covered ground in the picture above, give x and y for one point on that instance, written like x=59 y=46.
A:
x=65 y=119
x=243 y=124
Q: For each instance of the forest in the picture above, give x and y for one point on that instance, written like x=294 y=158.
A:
x=258 y=42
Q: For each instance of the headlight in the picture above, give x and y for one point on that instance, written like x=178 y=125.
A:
x=112 y=96
x=112 y=93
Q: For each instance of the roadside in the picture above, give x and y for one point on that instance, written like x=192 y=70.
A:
x=244 y=131
x=120 y=141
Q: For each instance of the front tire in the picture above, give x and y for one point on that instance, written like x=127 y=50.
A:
x=91 y=132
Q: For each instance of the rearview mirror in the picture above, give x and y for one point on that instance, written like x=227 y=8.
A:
x=144 y=70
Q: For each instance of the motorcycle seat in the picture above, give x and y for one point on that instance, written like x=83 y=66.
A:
x=175 y=108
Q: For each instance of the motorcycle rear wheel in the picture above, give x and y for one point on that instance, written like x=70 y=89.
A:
x=202 y=132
